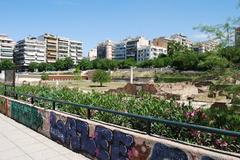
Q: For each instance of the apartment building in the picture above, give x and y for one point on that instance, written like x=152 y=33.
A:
x=237 y=37
x=6 y=47
x=51 y=47
x=120 y=50
x=133 y=44
x=161 y=42
x=62 y=48
x=75 y=51
x=28 y=50
x=92 y=54
x=105 y=50
x=205 y=46
x=150 y=52
x=182 y=39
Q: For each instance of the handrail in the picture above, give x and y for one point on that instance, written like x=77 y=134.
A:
x=148 y=119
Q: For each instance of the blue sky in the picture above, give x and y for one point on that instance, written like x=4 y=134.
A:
x=92 y=21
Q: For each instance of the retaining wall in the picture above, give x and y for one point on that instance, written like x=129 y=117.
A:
x=102 y=141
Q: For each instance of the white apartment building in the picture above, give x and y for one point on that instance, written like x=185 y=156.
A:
x=92 y=54
x=28 y=50
x=75 y=51
x=150 y=52
x=60 y=48
x=6 y=47
x=182 y=39
x=133 y=44
x=205 y=46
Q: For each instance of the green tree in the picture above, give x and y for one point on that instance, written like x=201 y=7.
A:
x=212 y=62
x=42 y=67
x=50 y=67
x=224 y=33
x=145 y=64
x=231 y=53
x=111 y=64
x=185 y=61
x=127 y=63
x=68 y=63
x=162 y=62
x=97 y=63
x=59 y=65
x=7 y=64
x=85 y=64
x=64 y=64
x=101 y=77
x=77 y=74
x=174 y=47
x=32 y=66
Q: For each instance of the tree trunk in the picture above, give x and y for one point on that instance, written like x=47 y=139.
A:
x=100 y=84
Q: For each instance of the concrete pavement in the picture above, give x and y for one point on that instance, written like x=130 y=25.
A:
x=18 y=142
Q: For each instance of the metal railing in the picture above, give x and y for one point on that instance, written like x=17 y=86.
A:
x=148 y=119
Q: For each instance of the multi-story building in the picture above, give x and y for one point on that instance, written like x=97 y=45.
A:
x=105 y=49
x=133 y=45
x=182 y=39
x=205 y=46
x=28 y=50
x=161 y=42
x=92 y=54
x=60 y=48
x=120 y=50
x=51 y=47
x=75 y=51
x=150 y=52
x=63 y=48
x=237 y=37
x=6 y=47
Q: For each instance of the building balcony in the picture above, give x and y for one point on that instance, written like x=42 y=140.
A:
x=8 y=54
x=7 y=45
x=30 y=53
x=52 y=49
x=52 y=41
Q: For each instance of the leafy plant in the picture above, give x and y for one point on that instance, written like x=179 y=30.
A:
x=44 y=76
x=101 y=77
x=147 y=105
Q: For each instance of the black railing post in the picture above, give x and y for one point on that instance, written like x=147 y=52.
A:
x=53 y=105
x=149 y=127
x=88 y=113
x=32 y=100
x=16 y=95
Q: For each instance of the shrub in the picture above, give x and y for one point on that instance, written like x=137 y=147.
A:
x=44 y=76
x=32 y=66
x=147 y=105
x=101 y=77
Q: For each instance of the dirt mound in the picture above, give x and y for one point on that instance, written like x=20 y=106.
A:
x=134 y=89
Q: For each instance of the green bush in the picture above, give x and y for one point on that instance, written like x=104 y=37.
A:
x=147 y=105
x=101 y=77
x=44 y=76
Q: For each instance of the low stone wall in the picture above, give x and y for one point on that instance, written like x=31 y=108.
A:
x=103 y=141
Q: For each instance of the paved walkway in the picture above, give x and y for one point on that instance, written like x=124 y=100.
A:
x=18 y=142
